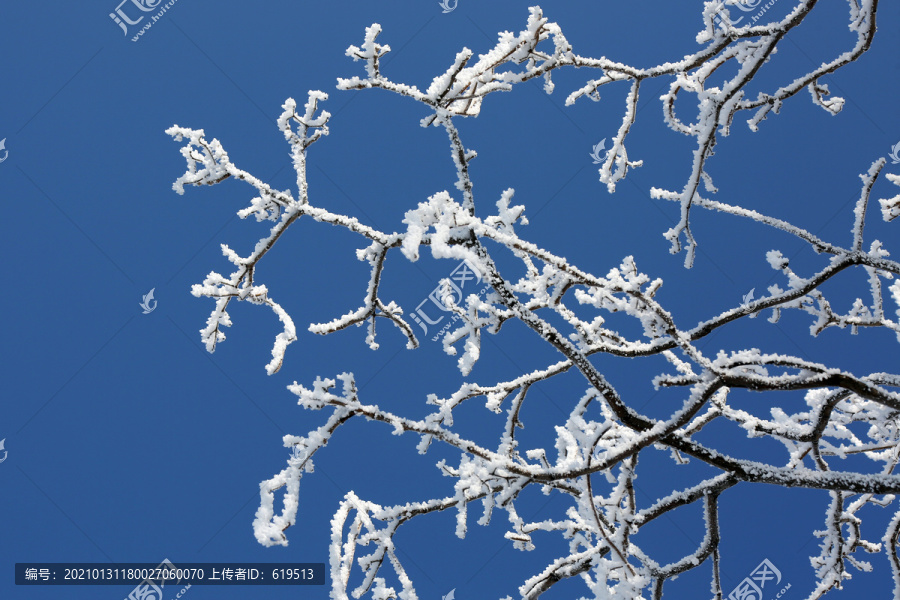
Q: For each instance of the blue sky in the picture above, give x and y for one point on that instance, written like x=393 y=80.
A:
x=128 y=442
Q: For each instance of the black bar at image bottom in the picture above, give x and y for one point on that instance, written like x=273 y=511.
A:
x=167 y=574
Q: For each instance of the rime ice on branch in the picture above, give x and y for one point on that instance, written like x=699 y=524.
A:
x=597 y=449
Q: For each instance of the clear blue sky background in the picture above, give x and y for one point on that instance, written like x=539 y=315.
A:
x=129 y=443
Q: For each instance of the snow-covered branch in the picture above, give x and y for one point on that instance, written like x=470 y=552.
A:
x=600 y=448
